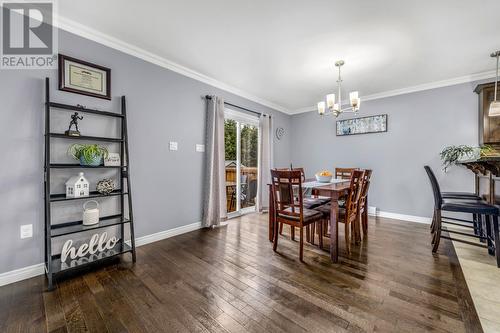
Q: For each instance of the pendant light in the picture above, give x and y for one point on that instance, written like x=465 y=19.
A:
x=336 y=108
x=495 y=105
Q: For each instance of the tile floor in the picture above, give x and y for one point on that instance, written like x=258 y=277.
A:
x=483 y=278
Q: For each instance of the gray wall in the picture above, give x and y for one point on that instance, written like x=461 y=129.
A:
x=162 y=106
x=420 y=125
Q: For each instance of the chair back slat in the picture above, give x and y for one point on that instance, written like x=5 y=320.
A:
x=438 y=200
x=365 y=186
x=354 y=193
x=283 y=184
x=344 y=173
x=302 y=172
x=292 y=168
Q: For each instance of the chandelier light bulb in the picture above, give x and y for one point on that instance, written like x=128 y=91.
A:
x=321 y=108
x=353 y=97
x=330 y=101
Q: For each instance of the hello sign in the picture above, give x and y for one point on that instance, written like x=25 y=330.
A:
x=95 y=245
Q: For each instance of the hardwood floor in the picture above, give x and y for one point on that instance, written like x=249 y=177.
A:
x=229 y=279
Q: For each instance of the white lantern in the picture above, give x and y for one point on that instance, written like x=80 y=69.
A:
x=90 y=215
x=77 y=187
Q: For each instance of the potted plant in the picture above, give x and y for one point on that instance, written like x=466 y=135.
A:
x=453 y=154
x=88 y=154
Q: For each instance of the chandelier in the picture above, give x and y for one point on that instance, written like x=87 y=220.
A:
x=336 y=108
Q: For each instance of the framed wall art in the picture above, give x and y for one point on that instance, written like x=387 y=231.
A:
x=82 y=77
x=364 y=125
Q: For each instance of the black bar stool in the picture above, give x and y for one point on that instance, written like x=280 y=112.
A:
x=477 y=220
x=471 y=206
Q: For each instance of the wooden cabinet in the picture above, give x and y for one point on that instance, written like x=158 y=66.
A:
x=489 y=127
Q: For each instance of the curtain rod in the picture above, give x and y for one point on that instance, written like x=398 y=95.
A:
x=240 y=107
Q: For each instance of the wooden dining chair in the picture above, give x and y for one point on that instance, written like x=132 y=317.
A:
x=344 y=173
x=287 y=209
x=340 y=173
x=349 y=214
x=292 y=230
x=309 y=202
x=363 y=205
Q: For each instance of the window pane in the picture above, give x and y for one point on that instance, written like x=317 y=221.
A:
x=249 y=153
x=230 y=147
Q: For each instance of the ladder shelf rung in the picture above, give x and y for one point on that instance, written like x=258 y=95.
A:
x=83 y=109
x=78 y=166
x=84 y=137
x=94 y=194
x=62 y=229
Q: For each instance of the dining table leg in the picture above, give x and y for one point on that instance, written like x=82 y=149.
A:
x=364 y=218
x=334 y=227
x=271 y=214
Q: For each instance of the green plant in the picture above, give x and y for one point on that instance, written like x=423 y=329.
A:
x=487 y=150
x=87 y=152
x=451 y=154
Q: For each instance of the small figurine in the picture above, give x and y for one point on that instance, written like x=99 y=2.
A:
x=74 y=121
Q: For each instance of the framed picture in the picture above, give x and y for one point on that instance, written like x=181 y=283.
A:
x=113 y=159
x=364 y=125
x=85 y=78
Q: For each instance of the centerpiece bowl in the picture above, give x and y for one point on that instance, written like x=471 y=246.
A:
x=324 y=177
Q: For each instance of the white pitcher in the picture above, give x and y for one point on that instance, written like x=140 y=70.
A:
x=90 y=216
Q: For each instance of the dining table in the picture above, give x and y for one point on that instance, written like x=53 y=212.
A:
x=334 y=189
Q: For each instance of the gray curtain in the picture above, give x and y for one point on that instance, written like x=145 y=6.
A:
x=214 y=194
x=265 y=162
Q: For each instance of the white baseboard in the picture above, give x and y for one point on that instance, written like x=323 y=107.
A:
x=372 y=211
x=411 y=218
x=39 y=269
x=21 y=274
x=166 y=234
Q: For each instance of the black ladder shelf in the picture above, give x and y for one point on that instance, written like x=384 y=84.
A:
x=53 y=264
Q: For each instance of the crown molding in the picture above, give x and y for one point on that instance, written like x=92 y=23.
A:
x=417 y=88
x=120 y=45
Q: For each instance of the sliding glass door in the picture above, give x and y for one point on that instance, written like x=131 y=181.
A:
x=241 y=133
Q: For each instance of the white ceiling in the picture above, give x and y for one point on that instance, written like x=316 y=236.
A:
x=282 y=51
